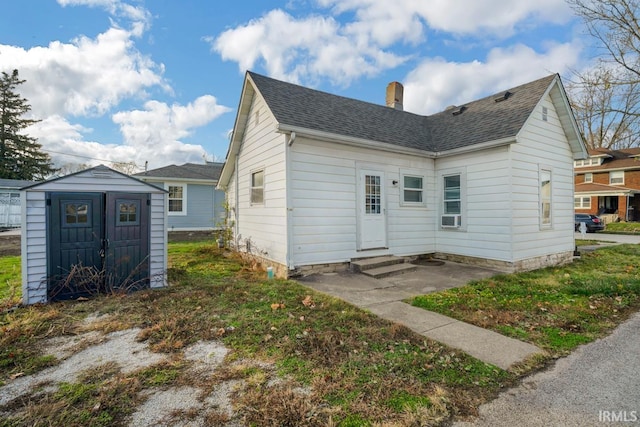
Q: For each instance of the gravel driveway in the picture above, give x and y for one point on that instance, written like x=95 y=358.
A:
x=597 y=385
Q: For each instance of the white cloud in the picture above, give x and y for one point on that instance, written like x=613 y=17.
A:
x=388 y=23
x=296 y=49
x=152 y=135
x=65 y=143
x=357 y=40
x=436 y=83
x=156 y=131
x=139 y=15
x=85 y=77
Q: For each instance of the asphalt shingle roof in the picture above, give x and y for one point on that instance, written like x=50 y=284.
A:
x=481 y=121
x=209 y=171
x=14 y=183
x=614 y=159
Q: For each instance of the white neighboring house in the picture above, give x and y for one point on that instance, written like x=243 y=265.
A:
x=315 y=180
x=10 y=202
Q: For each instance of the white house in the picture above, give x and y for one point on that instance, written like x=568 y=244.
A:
x=100 y=219
x=316 y=180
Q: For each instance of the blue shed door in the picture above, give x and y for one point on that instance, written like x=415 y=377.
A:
x=97 y=243
x=127 y=240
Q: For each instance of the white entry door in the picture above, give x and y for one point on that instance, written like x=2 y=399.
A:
x=372 y=210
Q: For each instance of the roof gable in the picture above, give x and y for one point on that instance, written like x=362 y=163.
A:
x=497 y=118
x=99 y=175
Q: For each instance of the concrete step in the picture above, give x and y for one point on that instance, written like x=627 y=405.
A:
x=369 y=263
x=389 y=270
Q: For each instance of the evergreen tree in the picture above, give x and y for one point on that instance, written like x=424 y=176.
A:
x=20 y=154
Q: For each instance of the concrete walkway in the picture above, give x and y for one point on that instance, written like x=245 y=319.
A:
x=384 y=298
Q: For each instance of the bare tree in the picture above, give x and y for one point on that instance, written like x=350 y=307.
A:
x=614 y=23
x=606 y=99
x=128 y=168
x=606 y=111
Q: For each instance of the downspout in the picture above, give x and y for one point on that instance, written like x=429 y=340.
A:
x=287 y=158
x=237 y=204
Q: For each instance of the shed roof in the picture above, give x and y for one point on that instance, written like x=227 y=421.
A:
x=98 y=174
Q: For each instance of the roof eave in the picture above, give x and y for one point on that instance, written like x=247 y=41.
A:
x=248 y=90
x=353 y=141
x=477 y=147
x=175 y=179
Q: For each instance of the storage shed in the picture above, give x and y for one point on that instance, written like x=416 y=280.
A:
x=93 y=231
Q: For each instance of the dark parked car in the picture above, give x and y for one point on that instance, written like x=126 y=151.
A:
x=592 y=221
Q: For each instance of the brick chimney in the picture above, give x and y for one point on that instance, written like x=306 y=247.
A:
x=395 y=92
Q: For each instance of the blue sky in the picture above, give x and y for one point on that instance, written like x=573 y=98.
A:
x=159 y=81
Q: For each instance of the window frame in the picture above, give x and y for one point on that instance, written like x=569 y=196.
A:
x=546 y=222
x=253 y=187
x=65 y=214
x=442 y=175
x=411 y=174
x=590 y=175
x=579 y=202
x=167 y=187
x=611 y=177
x=119 y=213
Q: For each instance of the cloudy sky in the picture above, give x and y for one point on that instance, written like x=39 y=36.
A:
x=159 y=81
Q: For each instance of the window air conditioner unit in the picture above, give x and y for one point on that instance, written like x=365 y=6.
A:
x=450 y=221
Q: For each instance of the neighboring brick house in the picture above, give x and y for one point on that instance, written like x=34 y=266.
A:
x=608 y=184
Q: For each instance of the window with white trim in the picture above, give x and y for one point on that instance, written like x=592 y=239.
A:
x=177 y=199
x=592 y=161
x=452 y=203
x=588 y=177
x=545 y=197
x=616 y=177
x=257 y=187
x=412 y=189
x=582 y=202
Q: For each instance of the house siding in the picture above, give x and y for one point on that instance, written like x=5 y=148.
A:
x=486 y=211
x=324 y=198
x=34 y=227
x=260 y=228
x=205 y=207
x=544 y=144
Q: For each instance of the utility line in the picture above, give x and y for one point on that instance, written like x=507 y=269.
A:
x=86 y=157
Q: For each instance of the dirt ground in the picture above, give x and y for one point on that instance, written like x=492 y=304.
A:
x=9 y=245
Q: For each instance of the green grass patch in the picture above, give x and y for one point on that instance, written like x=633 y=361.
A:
x=554 y=308
x=623 y=227
x=10 y=280
x=586 y=242
x=355 y=368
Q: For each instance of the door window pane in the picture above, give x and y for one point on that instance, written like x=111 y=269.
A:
x=127 y=212
x=75 y=214
x=372 y=194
